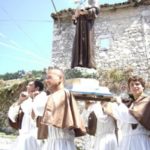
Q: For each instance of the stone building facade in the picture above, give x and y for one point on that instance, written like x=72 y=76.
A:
x=122 y=37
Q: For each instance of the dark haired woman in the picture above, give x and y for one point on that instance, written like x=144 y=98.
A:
x=133 y=121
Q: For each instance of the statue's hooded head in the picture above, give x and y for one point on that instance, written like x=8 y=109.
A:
x=91 y=2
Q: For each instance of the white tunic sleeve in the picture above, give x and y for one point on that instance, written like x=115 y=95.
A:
x=13 y=112
x=39 y=103
x=121 y=112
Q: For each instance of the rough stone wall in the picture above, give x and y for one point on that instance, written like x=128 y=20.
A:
x=63 y=37
x=126 y=29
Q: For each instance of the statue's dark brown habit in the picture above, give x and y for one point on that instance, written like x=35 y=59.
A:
x=83 y=46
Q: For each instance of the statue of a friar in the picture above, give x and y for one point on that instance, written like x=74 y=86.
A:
x=83 y=46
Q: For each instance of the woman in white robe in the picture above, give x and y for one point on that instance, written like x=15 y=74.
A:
x=134 y=136
x=130 y=139
x=105 y=137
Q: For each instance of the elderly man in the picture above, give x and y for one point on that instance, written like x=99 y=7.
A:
x=61 y=114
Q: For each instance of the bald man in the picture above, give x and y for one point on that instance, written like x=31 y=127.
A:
x=55 y=80
x=61 y=114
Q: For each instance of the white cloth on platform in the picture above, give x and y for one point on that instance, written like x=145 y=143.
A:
x=105 y=137
x=130 y=139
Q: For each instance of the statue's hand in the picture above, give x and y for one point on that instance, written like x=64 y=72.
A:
x=74 y=19
x=83 y=12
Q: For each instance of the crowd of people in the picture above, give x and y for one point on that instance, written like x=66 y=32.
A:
x=119 y=126
x=60 y=117
x=51 y=117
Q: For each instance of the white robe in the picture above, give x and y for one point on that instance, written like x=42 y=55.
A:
x=28 y=132
x=60 y=139
x=39 y=103
x=27 y=139
x=105 y=137
x=38 y=106
x=130 y=139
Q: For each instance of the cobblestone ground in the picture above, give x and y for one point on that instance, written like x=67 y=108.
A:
x=5 y=142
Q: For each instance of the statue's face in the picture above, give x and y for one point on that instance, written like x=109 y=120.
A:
x=91 y=2
x=76 y=1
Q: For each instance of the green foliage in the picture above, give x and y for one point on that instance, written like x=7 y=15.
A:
x=115 y=78
x=2 y=83
x=37 y=74
x=10 y=76
x=115 y=75
x=80 y=72
x=4 y=135
x=78 y=148
x=9 y=94
x=21 y=74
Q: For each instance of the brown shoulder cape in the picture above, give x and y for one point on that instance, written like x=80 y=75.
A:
x=141 y=111
x=61 y=111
